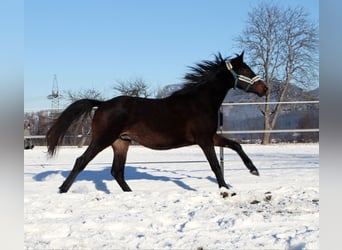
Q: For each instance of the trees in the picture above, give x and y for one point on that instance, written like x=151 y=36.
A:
x=283 y=45
x=136 y=88
x=84 y=93
x=82 y=127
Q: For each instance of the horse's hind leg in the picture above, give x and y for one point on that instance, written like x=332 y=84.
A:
x=120 y=148
x=80 y=164
x=224 y=142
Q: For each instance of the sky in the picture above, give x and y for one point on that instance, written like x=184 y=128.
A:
x=94 y=44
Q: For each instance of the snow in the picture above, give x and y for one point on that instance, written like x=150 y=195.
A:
x=174 y=205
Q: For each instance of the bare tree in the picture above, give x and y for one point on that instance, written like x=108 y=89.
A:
x=136 y=87
x=283 y=46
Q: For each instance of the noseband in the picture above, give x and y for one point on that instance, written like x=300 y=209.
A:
x=237 y=77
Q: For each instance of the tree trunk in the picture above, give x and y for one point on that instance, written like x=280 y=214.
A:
x=267 y=115
x=267 y=136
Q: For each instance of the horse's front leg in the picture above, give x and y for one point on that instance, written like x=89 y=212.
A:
x=210 y=154
x=221 y=141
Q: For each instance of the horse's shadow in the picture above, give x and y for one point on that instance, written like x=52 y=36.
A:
x=131 y=173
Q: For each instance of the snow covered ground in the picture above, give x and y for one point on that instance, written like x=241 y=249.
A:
x=174 y=205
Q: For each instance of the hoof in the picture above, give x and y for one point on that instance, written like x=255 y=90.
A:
x=255 y=172
x=268 y=196
x=224 y=193
x=62 y=190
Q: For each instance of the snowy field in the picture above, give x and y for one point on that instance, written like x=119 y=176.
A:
x=174 y=205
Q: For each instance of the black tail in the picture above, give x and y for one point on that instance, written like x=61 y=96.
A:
x=72 y=113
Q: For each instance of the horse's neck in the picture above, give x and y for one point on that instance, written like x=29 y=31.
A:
x=217 y=92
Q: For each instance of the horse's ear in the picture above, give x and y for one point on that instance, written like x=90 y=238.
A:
x=238 y=60
x=241 y=56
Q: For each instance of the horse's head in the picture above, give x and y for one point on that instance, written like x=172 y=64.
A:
x=244 y=77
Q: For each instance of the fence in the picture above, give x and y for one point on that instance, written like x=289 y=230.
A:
x=223 y=131
x=221 y=123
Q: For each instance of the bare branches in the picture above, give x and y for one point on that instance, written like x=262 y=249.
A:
x=283 y=46
x=84 y=94
x=137 y=88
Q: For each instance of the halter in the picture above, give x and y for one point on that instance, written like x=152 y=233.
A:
x=237 y=77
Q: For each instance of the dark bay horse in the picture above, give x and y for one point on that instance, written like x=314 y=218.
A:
x=188 y=116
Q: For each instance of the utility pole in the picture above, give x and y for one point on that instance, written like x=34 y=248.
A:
x=54 y=97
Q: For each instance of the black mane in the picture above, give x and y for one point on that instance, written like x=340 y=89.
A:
x=200 y=74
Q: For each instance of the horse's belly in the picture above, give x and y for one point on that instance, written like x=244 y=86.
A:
x=159 y=140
